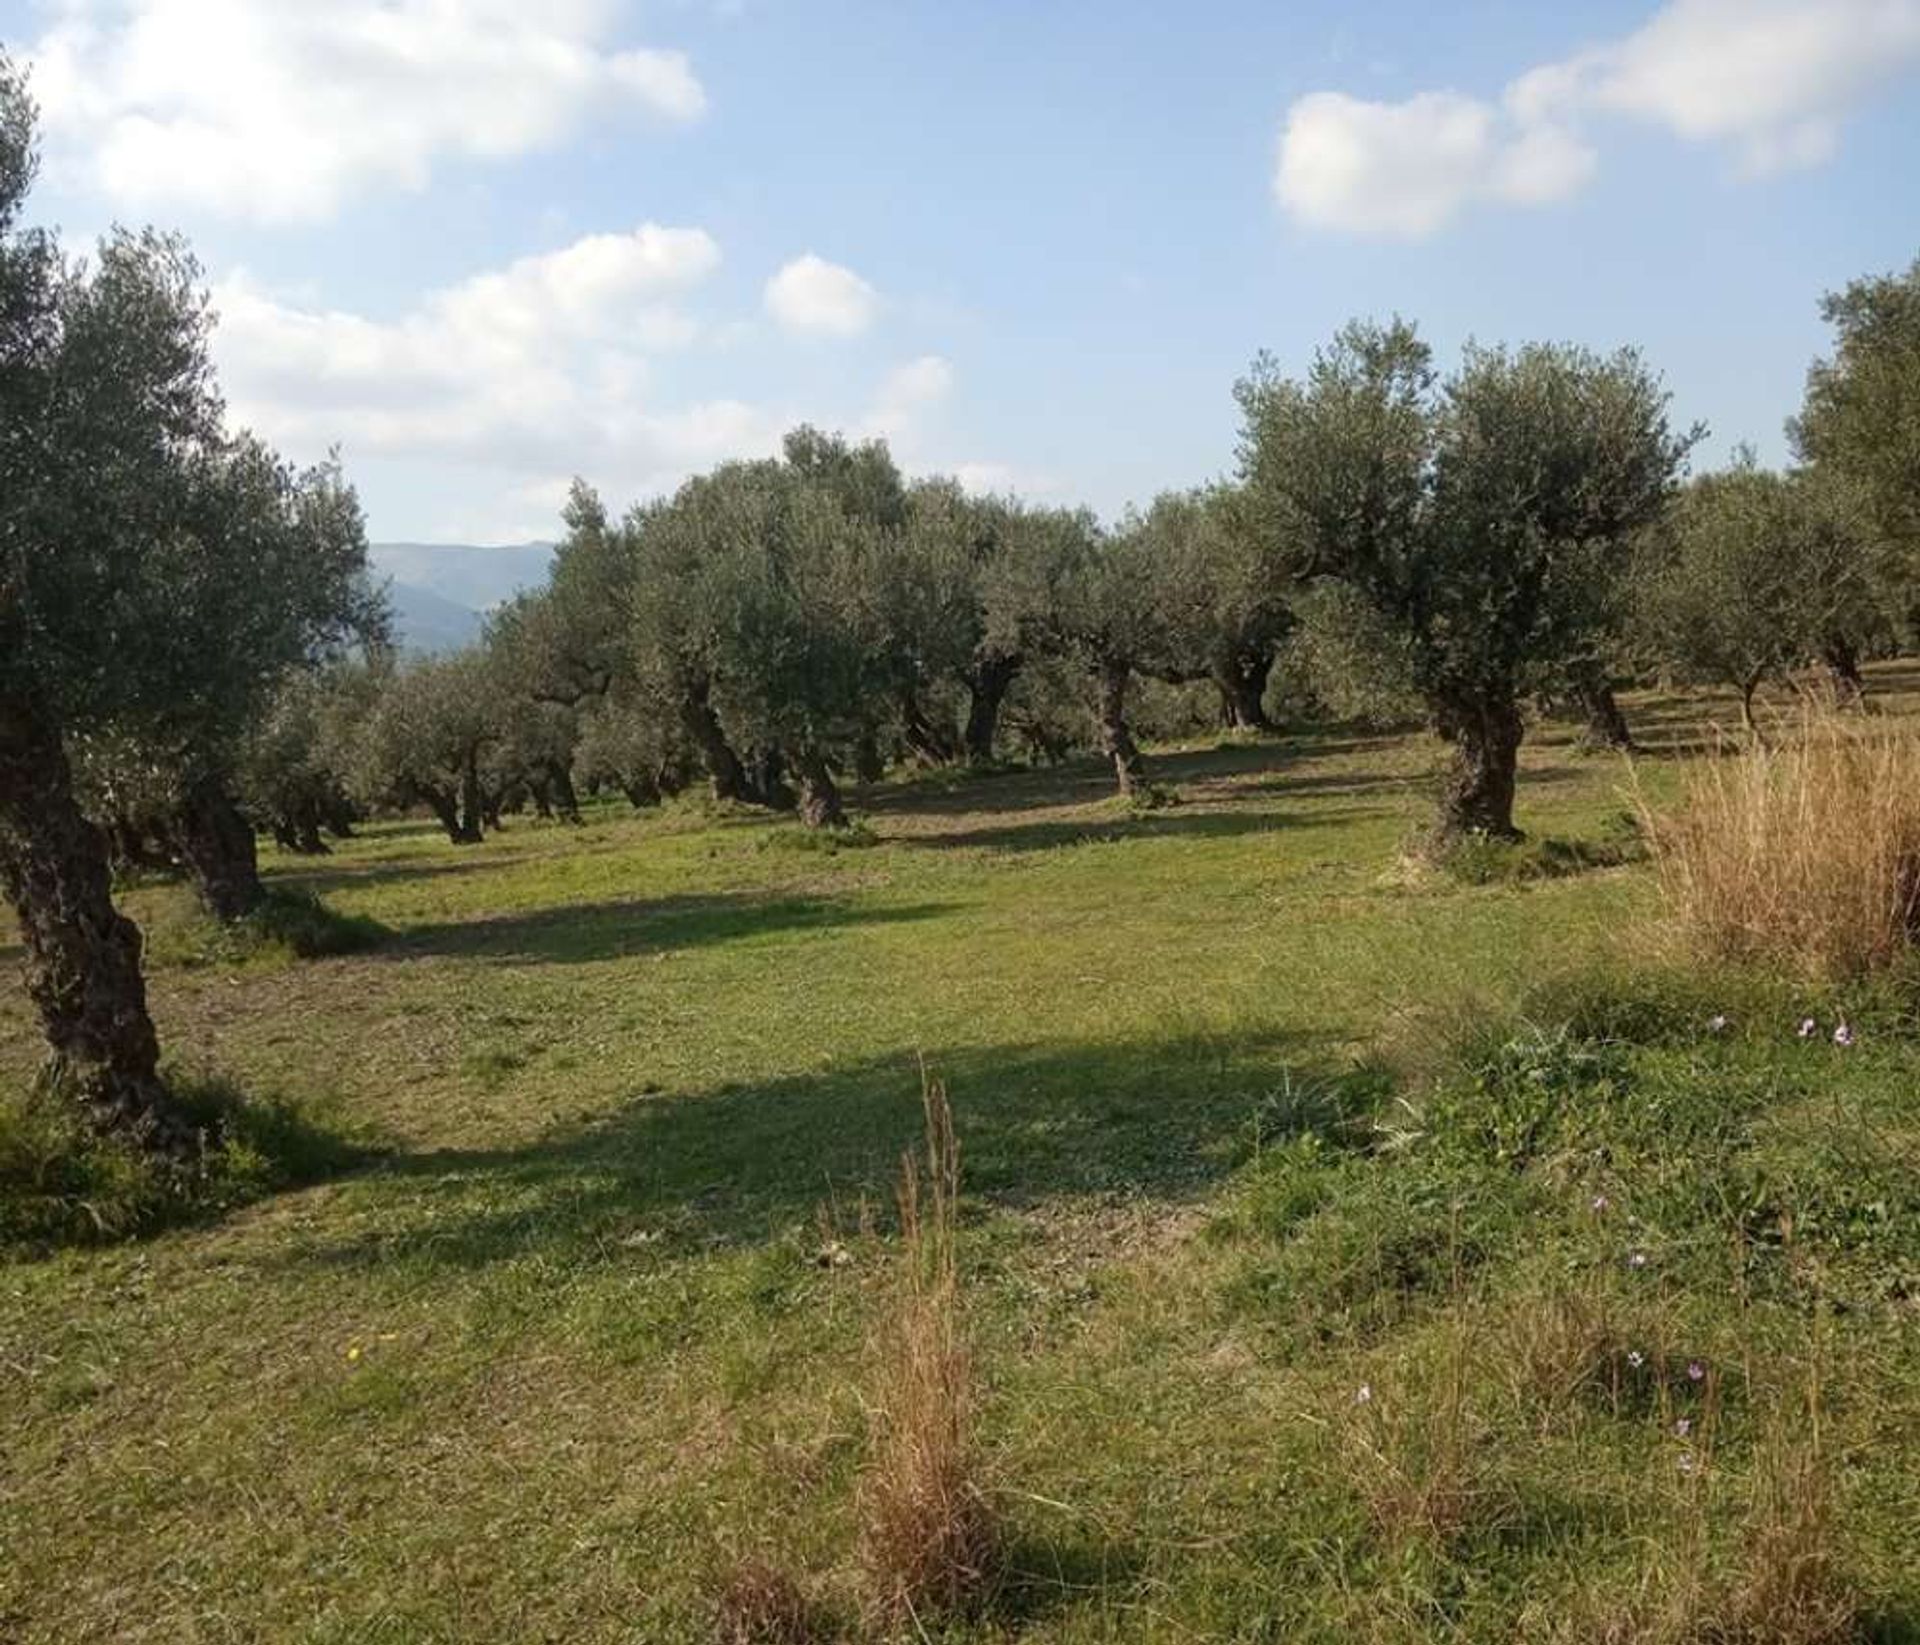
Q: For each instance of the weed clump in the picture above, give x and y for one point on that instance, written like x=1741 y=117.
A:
x=1805 y=855
x=856 y=836
x=61 y=1182
x=287 y=925
x=926 y=1529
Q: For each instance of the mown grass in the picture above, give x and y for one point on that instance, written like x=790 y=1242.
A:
x=1250 y=1124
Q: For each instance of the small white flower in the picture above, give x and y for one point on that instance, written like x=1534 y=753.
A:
x=1363 y=1395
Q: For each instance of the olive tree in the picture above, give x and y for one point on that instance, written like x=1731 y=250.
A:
x=424 y=742
x=1222 y=587
x=1484 y=519
x=1862 y=411
x=1752 y=575
x=113 y=549
x=790 y=646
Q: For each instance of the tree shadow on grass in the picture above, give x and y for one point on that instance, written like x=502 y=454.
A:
x=683 y=1174
x=1080 y=781
x=1101 y=828
x=584 y=933
x=347 y=876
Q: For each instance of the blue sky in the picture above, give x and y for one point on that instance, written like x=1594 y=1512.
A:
x=482 y=245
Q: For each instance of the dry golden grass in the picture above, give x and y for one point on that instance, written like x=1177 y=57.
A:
x=926 y=1532
x=1806 y=853
x=760 y=1604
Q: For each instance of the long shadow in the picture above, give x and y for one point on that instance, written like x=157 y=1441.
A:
x=681 y=1174
x=1173 y=824
x=579 y=934
x=1085 y=779
x=347 y=876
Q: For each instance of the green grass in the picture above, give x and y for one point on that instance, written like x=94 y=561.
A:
x=1249 y=1121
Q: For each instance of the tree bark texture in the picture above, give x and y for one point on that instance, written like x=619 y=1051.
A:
x=1477 y=795
x=216 y=843
x=82 y=954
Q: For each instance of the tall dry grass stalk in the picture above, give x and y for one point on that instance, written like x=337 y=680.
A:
x=926 y=1532
x=1805 y=853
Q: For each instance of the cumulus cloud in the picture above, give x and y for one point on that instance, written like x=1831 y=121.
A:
x=283 y=111
x=1773 y=78
x=811 y=295
x=523 y=367
x=1406 y=168
x=502 y=386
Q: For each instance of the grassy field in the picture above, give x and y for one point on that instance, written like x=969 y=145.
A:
x=1339 y=1250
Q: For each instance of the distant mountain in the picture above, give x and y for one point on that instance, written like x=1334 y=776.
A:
x=426 y=621
x=441 y=592
x=469 y=575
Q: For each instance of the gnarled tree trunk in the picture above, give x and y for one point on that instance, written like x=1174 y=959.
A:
x=987 y=687
x=1116 y=737
x=1477 y=795
x=1606 y=725
x=82 y=954
x=728 y=775
x=216 y=843
x=928 y=742
x=819 y=795
x=767 y=780
x=560 y=782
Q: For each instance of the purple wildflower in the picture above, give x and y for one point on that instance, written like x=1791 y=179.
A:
x=1696 y=1372
x=1601 y=1202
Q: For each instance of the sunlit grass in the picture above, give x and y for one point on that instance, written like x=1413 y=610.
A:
x=1249 y=1123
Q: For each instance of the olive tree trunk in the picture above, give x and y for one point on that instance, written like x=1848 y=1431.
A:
x=987 y=688
x=928 y=741
x=1116 y=737
x=82 y=954
x=1476 y=796
x=820 y=805
x=217 y=845
x=1606 y=725
x=470 y=829
x=565 y=800
x=727 y=774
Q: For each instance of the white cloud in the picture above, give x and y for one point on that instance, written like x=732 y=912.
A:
x=1405 y=168
x=283 y=110
x=1774 y=78
x=496 y=390
x=812 y=295
x=538 y=364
